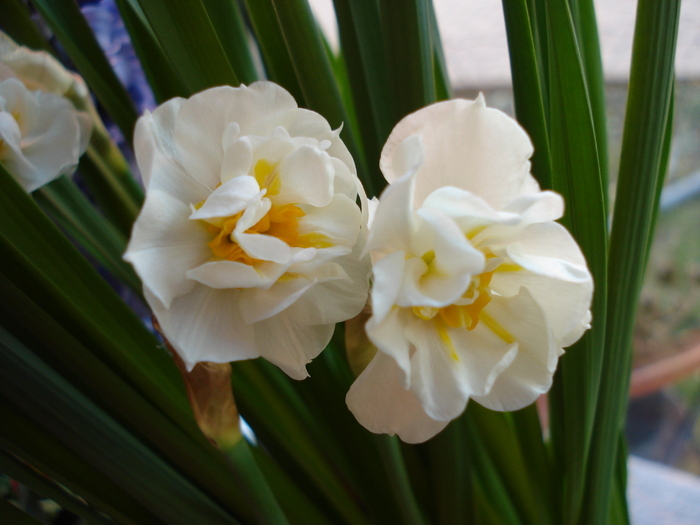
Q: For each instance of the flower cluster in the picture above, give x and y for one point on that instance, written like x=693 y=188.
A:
x=42 y=131
x=251 y=243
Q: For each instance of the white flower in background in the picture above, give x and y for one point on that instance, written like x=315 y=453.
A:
x=475 y=288
x=42 y=135
x=248 y=243
x=39 y=71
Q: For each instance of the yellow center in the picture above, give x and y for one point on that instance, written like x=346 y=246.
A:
x=466 y=315
x=280 y=221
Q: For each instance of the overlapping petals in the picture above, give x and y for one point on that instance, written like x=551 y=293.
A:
x=42 y=135
x=250 y=240
x=475 y=289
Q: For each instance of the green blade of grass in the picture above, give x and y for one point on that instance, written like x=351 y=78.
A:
x=73 y=212
x=23 y=438
x=162 y=77
x=361 y=41
x=15 y=21
x=443 y=88
x=589 y=45
x=527 y=86
x=577 y=176
x=30 y=385
x=641 y=167
x=189 y=40
x=37 y=482
x=315 y=74
x=225 y=16
x=278 y=62
x=409 y=54
x=72 y=30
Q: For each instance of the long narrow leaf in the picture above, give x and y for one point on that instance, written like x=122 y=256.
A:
x=577 y=176
x=188 y=38
x=32 y=387
x=528 y=86
x=73 y=31
x=225 y=16
x=646 y=125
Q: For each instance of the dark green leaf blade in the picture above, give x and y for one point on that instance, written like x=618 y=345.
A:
x=641 y=168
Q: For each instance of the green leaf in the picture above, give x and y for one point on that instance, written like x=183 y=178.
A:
x=284 y=424
x=109 y=179
x=68 y=206
x=361 y=42
x=37 y=482
x=186 y=447
x=72 y=30
x=443 y=89
x=161 y=76
x=492 y=501
x=642 y=165
x=450 y=476
x=409 y=54
x=589 y=45
x=11 y=514
x=40 y=261
x=189 y=40
x=226 y=18
x=278 y=62
x=35 y=389
x=315 y=74
x=576 y=173
x=527 y=86
x=500 y=439
x=22 y=437
x=16 y=22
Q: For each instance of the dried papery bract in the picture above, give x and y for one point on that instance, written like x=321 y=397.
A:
x=208 y=387
x=475 y=289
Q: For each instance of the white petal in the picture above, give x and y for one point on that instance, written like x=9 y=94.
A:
x=165 y=244
x=467 y=146
x=229 y=198
x=448 y=275
x=159 y=159
x=306 y=176
x=339 y=222
x=531 y=372
x=205 y=325
x=289 y=345
x=537 y=207
x=436 y=377
x=238 y=159
x=388 y=335
x=380 y=403
x=337 y=299
x=232 y=274
x=393 y=219
x=469 y=211
x=258 y=304
x=386 y=285
x=204 y=117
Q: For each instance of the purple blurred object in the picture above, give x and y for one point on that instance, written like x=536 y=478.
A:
x=105 y=21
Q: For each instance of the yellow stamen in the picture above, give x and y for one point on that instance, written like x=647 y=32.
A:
x=266 y=173
x=445 y=338
x=497 y=328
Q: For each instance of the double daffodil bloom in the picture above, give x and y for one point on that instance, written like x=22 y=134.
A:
x=475 y=288
x=42 y=135
x=250 y=238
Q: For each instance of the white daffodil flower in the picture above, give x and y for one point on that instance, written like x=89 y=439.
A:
x=475 y=288
x=42 y=135
x=39 y=71
x=250 y=238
